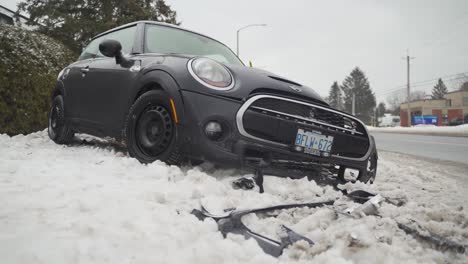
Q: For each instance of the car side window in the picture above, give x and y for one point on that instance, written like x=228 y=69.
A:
x=92 y=50
x=125 y=36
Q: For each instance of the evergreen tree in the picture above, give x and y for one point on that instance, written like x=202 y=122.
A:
x=439 y=90
x=75 y=22
x=356 y=83
x=381 y=109
x=335 y=97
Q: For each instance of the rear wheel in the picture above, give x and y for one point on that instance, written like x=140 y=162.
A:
x=150 y=132
x=57 y=129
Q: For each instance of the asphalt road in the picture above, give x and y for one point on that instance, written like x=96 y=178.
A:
x=435 y=147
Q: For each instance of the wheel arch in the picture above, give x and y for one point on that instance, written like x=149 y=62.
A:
x=58 y=90
x=163 y=81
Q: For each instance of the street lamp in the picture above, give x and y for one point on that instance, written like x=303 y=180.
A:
x=251 y=25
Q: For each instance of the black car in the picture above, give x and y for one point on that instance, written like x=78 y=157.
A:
x=171 y=94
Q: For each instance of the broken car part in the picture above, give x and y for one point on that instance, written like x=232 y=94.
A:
x=439 y=242
x=232 y=223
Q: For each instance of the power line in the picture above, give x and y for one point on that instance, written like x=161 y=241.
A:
x=430 y=80
x=422 y=83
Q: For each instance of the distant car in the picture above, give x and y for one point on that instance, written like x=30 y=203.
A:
x=174 y=95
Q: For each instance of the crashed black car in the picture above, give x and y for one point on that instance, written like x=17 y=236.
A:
x=174 y=95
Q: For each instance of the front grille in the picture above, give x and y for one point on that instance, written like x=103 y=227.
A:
x=275 y=119
x=301 y=110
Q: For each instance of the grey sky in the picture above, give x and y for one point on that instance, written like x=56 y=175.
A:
x=318 y=42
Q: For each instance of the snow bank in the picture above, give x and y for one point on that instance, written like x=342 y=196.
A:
x=94 y=204
x=461 y=130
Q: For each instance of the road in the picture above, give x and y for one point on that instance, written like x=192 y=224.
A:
x=436 y=147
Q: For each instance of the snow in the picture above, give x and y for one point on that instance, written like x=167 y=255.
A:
x=91 y=203
x=461 y=130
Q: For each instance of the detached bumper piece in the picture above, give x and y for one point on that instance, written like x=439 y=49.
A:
x=367 y=204
x=437 y=241
x=232 y=223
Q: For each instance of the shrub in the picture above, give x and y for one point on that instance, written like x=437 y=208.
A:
x=29 y=65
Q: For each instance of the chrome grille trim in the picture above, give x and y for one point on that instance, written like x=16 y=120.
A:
x=308 y=120
x=250 y=101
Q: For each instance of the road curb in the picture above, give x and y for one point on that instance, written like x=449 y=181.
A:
x=444 y=134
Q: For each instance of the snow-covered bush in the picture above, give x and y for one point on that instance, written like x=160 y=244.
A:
x=29 y=64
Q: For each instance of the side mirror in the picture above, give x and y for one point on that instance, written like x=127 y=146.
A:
x=110 y=48
x=113 y=48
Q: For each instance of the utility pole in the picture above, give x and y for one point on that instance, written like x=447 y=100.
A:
x=353 y=111
x=408 y=58
x=376 y=116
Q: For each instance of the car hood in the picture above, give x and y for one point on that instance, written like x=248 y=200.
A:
x=252 y=80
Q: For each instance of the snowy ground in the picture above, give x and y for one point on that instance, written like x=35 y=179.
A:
x=461 y=130
x=93 y=204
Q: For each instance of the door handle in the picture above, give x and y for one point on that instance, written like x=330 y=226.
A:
x=85 y=70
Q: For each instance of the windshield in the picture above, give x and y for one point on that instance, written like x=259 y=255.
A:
x=163 y=39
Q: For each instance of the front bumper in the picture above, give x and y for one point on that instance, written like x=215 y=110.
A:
x=240 y=148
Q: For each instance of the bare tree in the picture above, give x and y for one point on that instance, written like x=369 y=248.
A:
x=395 y=99
x=418 y=95
x=459 y=83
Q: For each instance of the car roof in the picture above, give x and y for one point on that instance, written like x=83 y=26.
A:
x=154 y=23
x=161 y=24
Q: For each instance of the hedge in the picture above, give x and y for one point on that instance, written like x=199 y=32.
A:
x=29 y=65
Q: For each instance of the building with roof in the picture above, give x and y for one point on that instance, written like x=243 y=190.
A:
x=10 y=17
x=453 y=109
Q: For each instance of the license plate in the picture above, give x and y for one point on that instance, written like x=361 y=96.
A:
x=314 y=142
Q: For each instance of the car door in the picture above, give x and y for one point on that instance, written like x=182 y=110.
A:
x=75 y=83
x=108 y=85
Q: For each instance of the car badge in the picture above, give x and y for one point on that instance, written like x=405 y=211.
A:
x=312 y=114
x=295 y=88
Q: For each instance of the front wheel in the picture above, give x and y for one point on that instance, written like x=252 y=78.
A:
x=150 y=130
x=57 y=129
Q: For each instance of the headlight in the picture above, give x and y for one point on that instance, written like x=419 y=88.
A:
x=211 y=73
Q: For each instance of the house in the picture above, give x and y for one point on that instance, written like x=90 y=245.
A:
x=454 y=107
x=10 y=17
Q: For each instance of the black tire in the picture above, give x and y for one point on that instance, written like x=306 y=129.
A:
x=57 y=129
x=150 y=131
